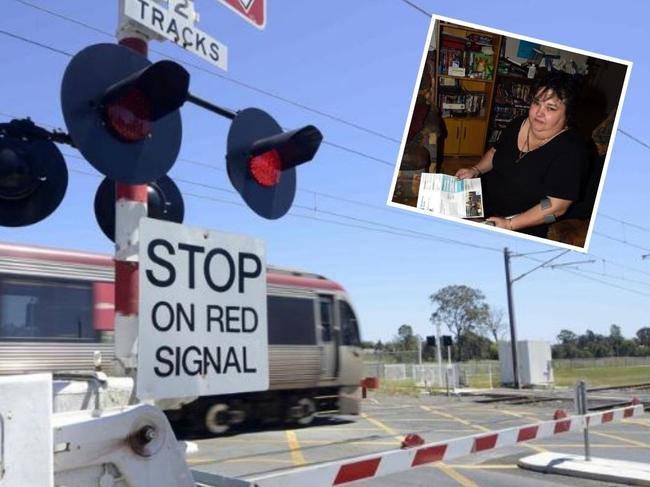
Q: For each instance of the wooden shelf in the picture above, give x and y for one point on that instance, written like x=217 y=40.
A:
x=466 y=136
x=465 y=78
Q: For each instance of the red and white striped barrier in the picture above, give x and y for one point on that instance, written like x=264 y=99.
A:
x=395 y=461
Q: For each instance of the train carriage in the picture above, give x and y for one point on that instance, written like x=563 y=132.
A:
x=57 y=310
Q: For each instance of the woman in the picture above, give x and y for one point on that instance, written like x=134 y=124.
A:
x=535 y=171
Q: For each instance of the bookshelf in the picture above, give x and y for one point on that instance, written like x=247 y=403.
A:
x=466 y=64
x=512 y=97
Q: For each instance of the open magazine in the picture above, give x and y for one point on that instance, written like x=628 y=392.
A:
x=447 y=195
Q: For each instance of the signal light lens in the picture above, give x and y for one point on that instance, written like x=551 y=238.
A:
x=129 y=115
x=16 y=178
x=266 y=168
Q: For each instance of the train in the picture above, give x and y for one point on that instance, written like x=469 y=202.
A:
x=57 y=312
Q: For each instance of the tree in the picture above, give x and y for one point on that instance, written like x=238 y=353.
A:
x=566 y=337
x=461 y=308
x=406 y=339
x=494 y=324
x=643 y=335
x=616 y=339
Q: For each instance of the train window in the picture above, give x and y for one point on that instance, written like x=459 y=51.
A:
x=326 y=318
x=291 y=321
x=349 y=326
x=46 y=309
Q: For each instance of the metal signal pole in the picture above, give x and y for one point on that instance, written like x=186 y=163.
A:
x=511 y=307
x=130 y=206
x=511 y=315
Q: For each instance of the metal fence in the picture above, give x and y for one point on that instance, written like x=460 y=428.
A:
x=478 y=374
x=471 y=374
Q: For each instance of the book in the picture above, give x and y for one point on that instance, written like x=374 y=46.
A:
x=447 y=195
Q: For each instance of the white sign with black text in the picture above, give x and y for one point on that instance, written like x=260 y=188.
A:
x=202 y=317
x=176 y=23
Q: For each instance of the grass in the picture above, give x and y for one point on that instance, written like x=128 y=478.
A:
x=603 y=376
x=593 y=376
x=406 y=387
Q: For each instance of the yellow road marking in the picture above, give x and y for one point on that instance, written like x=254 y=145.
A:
x=203 y=461
x=581 y=445
x=455 y=418
x=620 y=438
x=537 y=448
x=485 y=467
x=259 y=460
x=379 y=424
x=294 y=446
x=523 y=415
x=457 y=476
x=639 y=421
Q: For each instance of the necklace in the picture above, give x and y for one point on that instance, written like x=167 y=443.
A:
x=522 y=153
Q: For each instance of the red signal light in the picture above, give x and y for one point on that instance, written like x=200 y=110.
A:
x=129 y=115
x=266 y=168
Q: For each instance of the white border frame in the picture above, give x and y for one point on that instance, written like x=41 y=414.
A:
x=619 y=109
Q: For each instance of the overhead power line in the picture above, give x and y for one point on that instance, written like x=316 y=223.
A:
x=416 y=7
x=244 y=84
x=325 y=142
x=629 y=224
x=219 y=75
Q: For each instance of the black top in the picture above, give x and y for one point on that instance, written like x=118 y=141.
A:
x=555 y=169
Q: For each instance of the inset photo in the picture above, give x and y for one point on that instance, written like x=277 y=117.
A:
x=509 y=132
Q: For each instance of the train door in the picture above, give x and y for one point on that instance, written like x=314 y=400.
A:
x=329 y=357
x=350 y=346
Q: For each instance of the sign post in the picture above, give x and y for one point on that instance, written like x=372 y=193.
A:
x=203 y=317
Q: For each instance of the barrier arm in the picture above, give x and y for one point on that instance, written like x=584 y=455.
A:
x=394 y=461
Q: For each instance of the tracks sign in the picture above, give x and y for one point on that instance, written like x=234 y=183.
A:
x=202 y=319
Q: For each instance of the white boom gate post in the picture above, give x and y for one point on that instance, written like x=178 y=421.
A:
x=395 y=461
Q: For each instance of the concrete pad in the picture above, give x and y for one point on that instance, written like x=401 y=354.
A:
x=618 y=471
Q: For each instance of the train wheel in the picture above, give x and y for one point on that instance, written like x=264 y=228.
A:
x=303 y=411
x=221 y=416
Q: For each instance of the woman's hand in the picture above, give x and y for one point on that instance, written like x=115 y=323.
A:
x=467 y=173
x=501 y=222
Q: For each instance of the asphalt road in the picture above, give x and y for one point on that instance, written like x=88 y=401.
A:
x=387 y=419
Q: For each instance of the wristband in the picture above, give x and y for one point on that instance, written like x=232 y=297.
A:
x=478 y=171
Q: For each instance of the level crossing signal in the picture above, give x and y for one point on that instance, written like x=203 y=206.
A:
x=122 y=111
x=261 y=160
x=33 y=174
x=164 y=202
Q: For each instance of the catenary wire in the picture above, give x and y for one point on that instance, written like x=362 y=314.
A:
x=251 y=87
x=219 y=75
x=417 y=7
x=618 y=220
x=380 y=227
x=325 y=142
x=347 y=200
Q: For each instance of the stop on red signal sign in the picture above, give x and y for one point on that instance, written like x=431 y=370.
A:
x=253 y=11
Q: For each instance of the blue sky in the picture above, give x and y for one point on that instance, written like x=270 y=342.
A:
x=358 y=62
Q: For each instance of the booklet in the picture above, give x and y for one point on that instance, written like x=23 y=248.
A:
x=447 y=195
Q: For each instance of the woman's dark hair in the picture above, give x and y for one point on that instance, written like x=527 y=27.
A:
x=566 y=87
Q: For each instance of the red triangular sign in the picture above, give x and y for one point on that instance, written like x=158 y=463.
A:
x=253 y=11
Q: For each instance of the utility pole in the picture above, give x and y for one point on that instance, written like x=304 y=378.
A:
x=511 y=316
x=439 y=353
x=511 y=306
